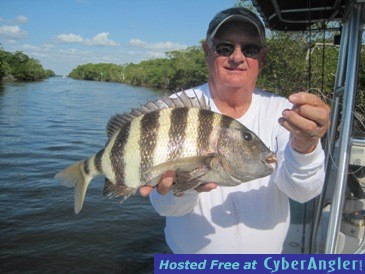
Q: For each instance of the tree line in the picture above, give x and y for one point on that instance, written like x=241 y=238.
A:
x=179 y=70
x=291 y=65
x=19 y=66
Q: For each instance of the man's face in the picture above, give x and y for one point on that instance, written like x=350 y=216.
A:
x=235 y=70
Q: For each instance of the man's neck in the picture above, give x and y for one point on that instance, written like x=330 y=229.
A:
x=230 y=101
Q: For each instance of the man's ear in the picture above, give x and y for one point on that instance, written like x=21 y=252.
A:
x=205 y=47
x=263 y=54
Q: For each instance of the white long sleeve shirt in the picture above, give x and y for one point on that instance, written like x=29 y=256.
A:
x=252 y=217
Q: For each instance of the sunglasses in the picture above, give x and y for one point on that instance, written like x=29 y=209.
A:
x=227 y=48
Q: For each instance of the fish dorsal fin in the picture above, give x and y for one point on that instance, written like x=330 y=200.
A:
x=181 y=99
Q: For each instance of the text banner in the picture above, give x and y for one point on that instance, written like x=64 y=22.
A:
x=259 y=264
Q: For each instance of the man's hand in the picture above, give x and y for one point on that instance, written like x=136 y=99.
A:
x=307 y=121
x=166 y=182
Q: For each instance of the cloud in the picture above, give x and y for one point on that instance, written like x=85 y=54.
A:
x=155 y=54
x=101 y=40
x=161 y=46
x=11 y=32
x=166 y=46
x=138 y=43
x=30 y=47
x=69 y=38
x=21 y=19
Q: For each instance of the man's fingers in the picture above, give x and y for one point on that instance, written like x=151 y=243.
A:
x=166 y=182
x=145 y=190
x=206 y=187
x=163 y=186
x=302 y=98
x=298 y=124
x=318 y=114
x=309 y=117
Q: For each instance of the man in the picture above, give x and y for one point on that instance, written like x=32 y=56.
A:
x=252 y=217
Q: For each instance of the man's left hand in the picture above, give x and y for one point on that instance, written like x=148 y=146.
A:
x=307 y=121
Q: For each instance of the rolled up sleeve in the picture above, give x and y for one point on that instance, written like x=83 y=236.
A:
x=301 y=176
x=170 y=205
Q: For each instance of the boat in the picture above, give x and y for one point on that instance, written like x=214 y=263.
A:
x=334 y=222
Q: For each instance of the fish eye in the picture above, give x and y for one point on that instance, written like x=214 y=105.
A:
x=247 y=136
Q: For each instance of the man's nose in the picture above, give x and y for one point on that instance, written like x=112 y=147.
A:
x=237 y=56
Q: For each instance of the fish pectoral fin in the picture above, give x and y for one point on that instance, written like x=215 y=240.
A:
x=115 y=190
x=179 y=188
x=188 y=179
x=180 y=165
x=191 y=175
x=188 y=172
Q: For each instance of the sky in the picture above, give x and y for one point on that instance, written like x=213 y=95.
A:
x=62 y=34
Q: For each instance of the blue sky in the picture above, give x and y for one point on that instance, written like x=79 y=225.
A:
x=62 y=34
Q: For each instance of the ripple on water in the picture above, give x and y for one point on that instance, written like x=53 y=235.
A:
x=44 y=127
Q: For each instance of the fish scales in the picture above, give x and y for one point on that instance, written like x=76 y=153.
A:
x=161 y=152
x=191 y=141
x=86 y=166
x=89 y=167
x=150 y=126
x=97 y=161
x=207 y=136
x=132 y=156
x=205 y=130
x=179 y=133
x=112 y=159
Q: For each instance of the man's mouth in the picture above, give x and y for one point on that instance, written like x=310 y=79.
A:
x=235 y=69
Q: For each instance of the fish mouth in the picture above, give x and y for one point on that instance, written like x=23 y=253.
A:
x=268 y=158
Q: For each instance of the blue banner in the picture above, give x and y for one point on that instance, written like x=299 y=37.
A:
x=259 y=264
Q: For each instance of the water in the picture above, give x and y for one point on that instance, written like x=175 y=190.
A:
x=44 y=127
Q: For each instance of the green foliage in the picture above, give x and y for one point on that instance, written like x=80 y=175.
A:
x=4 y=66
x=98 y=72
x=180 y=70
x=20 y=66
x=291 y=66
x=285 y=68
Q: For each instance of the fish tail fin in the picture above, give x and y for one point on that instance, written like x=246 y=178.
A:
x=75 y=176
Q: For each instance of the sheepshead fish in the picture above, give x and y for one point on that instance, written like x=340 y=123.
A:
x=174 y=133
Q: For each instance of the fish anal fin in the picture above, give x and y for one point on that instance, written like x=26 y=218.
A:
x=115 y=190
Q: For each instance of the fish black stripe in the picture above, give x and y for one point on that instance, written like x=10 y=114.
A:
x=86 y=167
x=226 y=121
x=178 y=121
x=97 y=160
x=148 y=138
x=205 y=129
x=117 y=153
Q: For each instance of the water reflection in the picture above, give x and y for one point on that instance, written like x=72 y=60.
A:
x=44 y=127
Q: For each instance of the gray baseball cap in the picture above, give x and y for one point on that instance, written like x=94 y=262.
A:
x=237 y=14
